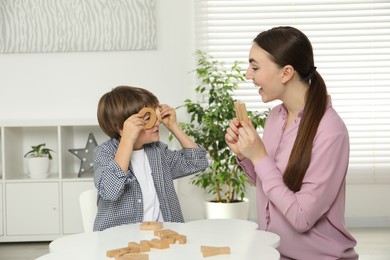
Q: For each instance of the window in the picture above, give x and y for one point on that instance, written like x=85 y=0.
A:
x=351 y=42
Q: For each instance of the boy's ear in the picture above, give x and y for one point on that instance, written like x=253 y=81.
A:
x=288 y=72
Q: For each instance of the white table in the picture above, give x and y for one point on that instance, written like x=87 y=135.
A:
x=243 y=238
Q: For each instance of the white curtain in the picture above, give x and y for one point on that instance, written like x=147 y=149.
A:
x=351 y=42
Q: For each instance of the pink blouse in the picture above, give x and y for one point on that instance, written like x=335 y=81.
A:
x=309 y=222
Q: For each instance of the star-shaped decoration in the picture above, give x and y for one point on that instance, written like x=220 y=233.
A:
x=86 y=155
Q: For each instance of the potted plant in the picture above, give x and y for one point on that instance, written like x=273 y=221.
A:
x=38 y=160
x=224 y=178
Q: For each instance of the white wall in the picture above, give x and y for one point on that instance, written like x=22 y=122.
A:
x=68 y=85
x=62 y=86
x=368 y=205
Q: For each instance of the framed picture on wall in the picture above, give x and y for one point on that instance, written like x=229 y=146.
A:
x=77 y=25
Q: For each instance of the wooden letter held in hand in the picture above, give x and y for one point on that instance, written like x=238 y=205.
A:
x=241 y=113
x=152 y=116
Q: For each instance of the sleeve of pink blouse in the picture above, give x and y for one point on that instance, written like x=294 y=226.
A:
x=321 y=183
x=249 y=170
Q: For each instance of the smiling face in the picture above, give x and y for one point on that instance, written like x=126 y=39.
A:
x=265 y=74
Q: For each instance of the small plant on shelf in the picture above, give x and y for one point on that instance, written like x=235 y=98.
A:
x=38 y=160
x=39 y=151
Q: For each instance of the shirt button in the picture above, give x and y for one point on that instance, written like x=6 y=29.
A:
x=139 y=201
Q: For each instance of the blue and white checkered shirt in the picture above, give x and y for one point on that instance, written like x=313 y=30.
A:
x=119 y=193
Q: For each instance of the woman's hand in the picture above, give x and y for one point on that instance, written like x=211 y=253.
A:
x=231 y=137
x=249 y=143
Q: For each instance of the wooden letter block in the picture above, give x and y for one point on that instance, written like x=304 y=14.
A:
x=144 y=246
x=241 y=112
x=158 y=243
x=168 y=239
x=149 y=113
x=140 y=247
x=162 y=232
x=121 y=251
x=212 y=250
x=133 y=256
x=117 y=252
x=151 y=225
x=181 y=238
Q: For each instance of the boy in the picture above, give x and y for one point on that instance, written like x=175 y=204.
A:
x=133 y=170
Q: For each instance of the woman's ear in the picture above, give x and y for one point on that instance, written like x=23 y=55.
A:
x=288 y=72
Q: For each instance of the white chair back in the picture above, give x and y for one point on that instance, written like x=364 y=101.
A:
x=88 y=200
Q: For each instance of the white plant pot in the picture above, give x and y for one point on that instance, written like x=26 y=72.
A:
x=237 y=210
x=38 y=167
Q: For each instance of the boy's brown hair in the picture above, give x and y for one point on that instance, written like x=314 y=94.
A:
x=119 y=104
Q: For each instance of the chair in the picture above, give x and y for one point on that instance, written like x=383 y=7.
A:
x=88 y=208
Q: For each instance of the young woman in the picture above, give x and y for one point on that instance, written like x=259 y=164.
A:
x=300 y=165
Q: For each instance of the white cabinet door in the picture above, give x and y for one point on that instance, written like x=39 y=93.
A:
x=32 y=208
x=1 y=209
x=72 y=222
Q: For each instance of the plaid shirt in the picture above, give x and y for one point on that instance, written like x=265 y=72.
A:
x=119 y=193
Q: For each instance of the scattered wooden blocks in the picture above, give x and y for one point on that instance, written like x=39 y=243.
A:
x=241 y=113
x=212 y=250
x=165 y=237
x=151 y=225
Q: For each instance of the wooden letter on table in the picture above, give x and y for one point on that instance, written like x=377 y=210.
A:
x=121 y=251
x=133 y=256
x=212 y=250
x=151 y=225
x=143 y=247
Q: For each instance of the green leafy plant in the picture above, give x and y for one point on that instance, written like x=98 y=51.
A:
x=39 y=151
x=208 y=123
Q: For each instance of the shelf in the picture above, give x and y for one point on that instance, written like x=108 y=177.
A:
x=1 y=154
x=55 y=196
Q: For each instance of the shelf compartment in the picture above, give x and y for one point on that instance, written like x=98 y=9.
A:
x=18 y=141
x=76 y=137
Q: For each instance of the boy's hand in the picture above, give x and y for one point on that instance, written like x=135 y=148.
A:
x=168 y=119
x=168 y=116
x=132 y=127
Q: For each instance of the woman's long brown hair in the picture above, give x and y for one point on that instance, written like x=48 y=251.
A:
x=289 y=46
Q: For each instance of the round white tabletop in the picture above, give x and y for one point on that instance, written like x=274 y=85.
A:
x=243 y=238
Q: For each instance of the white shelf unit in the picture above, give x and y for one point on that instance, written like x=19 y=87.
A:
x=42 y=209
